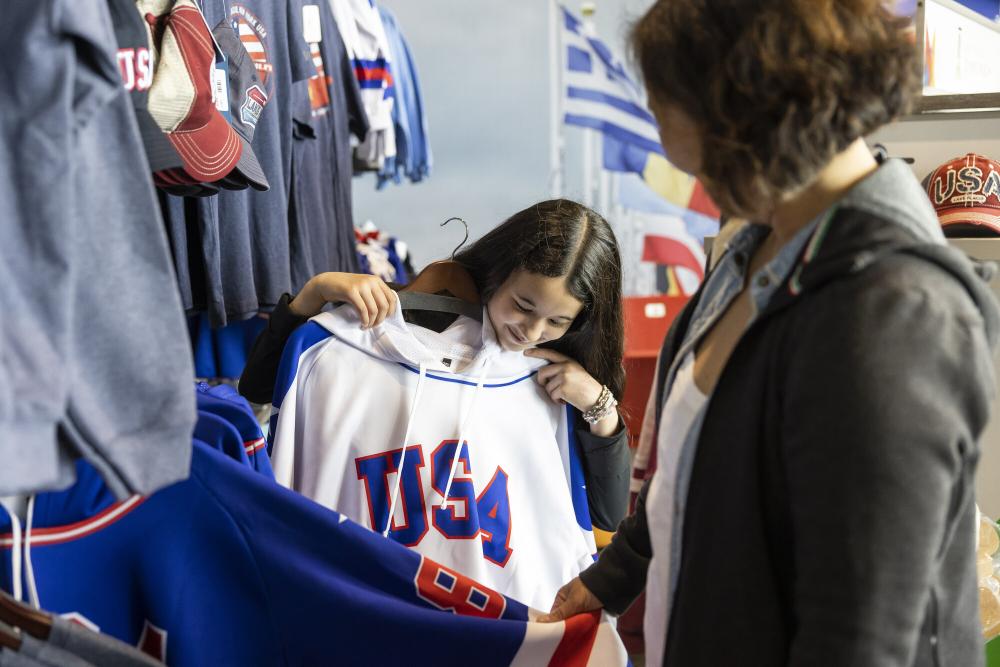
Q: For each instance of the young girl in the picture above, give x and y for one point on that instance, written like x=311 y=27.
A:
x=821 y=399
x=550 y=277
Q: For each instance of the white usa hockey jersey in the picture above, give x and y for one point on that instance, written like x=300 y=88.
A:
x=510 y=511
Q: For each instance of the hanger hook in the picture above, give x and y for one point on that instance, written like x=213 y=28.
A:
x=465 y=225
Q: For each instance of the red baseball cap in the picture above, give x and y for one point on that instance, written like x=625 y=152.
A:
x=965 y=192
x=180 y=98
x=177 y=182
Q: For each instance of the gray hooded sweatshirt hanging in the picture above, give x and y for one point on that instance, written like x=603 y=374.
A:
x=94 y=359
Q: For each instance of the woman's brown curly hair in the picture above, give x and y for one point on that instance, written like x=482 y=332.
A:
x=776 y=87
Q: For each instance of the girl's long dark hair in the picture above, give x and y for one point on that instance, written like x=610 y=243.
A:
x=557 y=238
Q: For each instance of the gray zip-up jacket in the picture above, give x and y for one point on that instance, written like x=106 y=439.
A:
x=830 y=517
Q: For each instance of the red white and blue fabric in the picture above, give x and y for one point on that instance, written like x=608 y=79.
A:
x=368 y=48
x=227 y=422
x=228 y=568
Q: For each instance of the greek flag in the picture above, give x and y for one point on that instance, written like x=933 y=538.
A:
x=601 y=96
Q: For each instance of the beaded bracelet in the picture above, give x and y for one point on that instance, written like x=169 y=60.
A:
x=602 y=408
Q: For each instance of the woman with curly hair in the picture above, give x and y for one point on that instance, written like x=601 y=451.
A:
x=820 y=400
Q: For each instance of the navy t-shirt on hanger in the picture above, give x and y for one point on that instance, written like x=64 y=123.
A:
x=321 y=220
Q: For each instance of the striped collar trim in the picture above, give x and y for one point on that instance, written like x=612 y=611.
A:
x=459 y=379
x=74 y=531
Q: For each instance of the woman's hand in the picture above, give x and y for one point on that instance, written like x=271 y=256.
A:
x=565 y=380
x=370 y=296
x=573 y=598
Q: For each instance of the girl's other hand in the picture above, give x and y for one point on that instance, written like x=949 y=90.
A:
x=566 y=380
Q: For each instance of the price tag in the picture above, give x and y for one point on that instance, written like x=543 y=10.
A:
x=220 y=87
x=312 y=30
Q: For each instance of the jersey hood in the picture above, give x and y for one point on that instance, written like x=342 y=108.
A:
x=467 y=347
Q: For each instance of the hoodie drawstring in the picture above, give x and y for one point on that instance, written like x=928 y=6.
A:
x=406 y=439
x=29 y=570
x=461 y=429
x=15 y=551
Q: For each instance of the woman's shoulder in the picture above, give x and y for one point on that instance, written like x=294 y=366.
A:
x=932 y=278
x=924 y=308
x=876 y=264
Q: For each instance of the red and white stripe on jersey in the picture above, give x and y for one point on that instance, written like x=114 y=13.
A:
x=59 y=534
x=251 y=447
x=584 y=640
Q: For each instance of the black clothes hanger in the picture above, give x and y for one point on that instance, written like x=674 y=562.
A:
x=424 y=293
x=439 y=303
x=465 y=225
